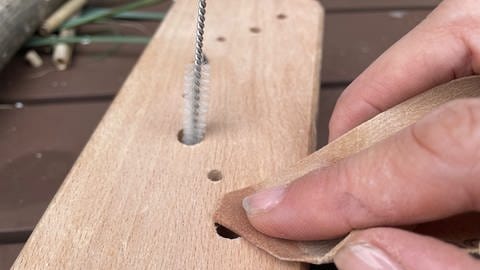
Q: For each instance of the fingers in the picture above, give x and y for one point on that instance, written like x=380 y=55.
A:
x=443 y=47
x=427 y=171
x=394 y=249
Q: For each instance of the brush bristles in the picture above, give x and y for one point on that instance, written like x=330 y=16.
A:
x=196 y=107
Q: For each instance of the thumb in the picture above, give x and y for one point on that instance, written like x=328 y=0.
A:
x=394 y=249
x=425 y=172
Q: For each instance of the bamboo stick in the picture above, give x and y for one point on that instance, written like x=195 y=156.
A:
x=66 y=11
x=62 y=52
x=18 y=20
x=33 y=59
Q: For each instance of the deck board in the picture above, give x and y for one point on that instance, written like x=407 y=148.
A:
x=328 y=98
x=97 y=70
x=8 y=253
x=39 y=145
x=359 y=5
x=354 y=40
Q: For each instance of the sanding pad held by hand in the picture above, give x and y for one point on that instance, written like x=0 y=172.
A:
x=231 y=215
x=457 y=230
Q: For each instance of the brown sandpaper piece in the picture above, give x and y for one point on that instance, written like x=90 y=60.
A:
x=462 y=230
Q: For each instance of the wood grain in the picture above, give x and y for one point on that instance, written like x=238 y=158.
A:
x=137 y=198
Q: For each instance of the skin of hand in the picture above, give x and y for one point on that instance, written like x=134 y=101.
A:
x=425 y=172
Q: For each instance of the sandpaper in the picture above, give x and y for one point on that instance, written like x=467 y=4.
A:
x=462 y=230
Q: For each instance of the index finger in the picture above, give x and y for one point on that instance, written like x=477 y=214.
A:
x=443 y=47
x=426 y=172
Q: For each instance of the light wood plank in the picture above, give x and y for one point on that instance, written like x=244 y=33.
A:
x=139 y=199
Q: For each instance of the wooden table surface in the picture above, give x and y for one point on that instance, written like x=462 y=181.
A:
x=47 y=116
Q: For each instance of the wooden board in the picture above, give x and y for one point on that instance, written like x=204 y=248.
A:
x=137 y=198
x=343 y=5
x=8 y=253
x=354 y=40
x=39 y=145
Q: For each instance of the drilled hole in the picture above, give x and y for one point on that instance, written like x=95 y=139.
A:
x=180 y=139
x=224 y=232
x=221 y=39
x=215 y=175
x=281 y=16
x=322 y=267
x=180 y=136
x=255 y=30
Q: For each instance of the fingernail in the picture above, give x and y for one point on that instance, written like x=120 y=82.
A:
x=264 y=200
x=364 y=256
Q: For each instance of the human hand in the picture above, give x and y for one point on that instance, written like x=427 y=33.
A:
x=425 y=172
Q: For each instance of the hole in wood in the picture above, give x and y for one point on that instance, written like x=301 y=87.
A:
x=281 y=16
x=224 y=232
x=215 y=175
x=180 y=136
x=330 y=266
x=221 y=39
x=255 y=30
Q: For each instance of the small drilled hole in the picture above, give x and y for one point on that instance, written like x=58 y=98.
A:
x=221 y=39
x=281 y=16
x=224 y=232
x=215 y=175
x=255 y=30
x=180 y=136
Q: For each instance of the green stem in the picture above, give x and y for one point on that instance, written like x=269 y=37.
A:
x=108 y=13
x=52 y=40
x=134 y=15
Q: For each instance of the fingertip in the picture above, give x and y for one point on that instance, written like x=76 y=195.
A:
x=364 y=256
x=407 y=250
x=306 y=209
x=263 y=201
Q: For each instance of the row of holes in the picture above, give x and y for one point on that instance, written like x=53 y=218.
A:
x=255 y=30
x=216 y=175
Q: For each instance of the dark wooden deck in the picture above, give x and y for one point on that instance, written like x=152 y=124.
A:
x=46 y=117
